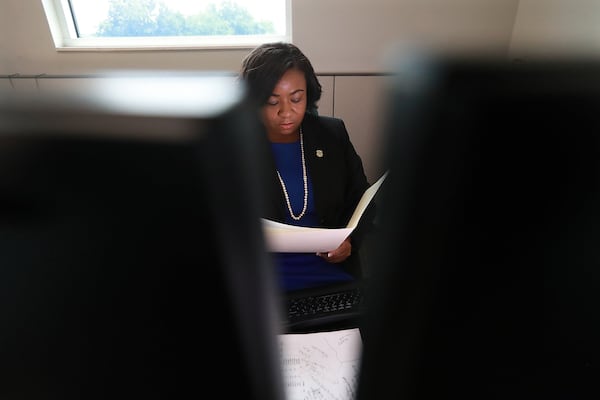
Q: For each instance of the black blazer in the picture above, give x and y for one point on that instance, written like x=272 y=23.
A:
x=338 y=180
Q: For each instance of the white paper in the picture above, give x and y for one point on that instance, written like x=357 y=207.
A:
x=286 y=238
x=322 y=365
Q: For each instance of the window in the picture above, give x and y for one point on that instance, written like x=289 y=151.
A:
x=166 y=24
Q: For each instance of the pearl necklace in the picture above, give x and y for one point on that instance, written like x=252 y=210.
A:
x=304 y=177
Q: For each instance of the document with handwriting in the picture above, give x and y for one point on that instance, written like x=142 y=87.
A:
x=286 y=238
x=322 y=365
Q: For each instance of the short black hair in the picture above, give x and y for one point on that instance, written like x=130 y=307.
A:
x=264 y=66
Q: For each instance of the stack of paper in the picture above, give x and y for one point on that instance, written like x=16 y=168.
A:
x=322 y=365
x=297 y=239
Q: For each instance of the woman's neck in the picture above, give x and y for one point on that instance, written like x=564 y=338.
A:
x=291 y=138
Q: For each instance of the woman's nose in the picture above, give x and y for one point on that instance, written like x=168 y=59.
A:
x=285 y=108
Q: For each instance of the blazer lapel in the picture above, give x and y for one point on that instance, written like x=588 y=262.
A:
x=316 y=163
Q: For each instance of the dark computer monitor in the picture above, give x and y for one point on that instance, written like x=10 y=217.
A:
x=132 y=262
x=486 y=278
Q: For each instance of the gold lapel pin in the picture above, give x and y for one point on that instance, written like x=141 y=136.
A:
x=320 y=153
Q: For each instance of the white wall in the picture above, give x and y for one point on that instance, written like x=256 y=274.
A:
x=352 y=35
x=554 y=28
x=338 y=36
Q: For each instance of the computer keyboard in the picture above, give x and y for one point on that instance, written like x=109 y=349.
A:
x=324 y=308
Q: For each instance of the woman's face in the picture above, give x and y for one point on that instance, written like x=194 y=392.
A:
x=284 y=110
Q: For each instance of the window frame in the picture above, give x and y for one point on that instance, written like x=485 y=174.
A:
x=65 y=38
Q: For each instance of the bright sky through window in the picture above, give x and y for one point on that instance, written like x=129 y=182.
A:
x=166 y=23
x=90 y=13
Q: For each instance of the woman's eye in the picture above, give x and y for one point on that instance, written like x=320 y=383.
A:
x=297 y=100
x=272 y=102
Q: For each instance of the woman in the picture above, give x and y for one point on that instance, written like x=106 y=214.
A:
x=317 y=176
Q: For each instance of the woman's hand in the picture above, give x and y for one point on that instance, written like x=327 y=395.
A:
x=340 y=254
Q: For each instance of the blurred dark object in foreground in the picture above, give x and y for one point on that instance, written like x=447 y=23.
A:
x=486 y=282
x=122 y=216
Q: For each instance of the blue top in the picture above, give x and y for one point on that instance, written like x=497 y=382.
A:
x=301 y=270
